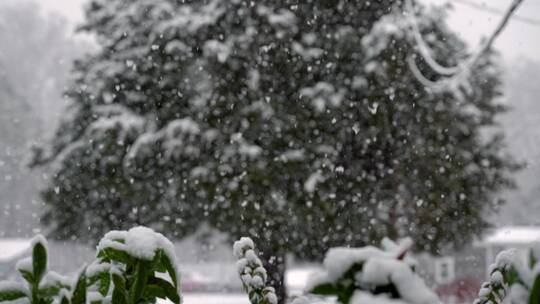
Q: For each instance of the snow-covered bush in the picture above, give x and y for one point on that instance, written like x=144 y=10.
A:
x=42 y=286
x=511 y=278
x=353 y=275
x=135 y=266
x=252 y=273
x=372 y=275
x=140 y=264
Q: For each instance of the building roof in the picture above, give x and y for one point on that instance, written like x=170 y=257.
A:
x=13 y=248
x=512 y=235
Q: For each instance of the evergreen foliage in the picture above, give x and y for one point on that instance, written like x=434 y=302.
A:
x=294 y=122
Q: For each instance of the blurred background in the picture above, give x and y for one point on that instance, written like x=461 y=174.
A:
x=39 y=43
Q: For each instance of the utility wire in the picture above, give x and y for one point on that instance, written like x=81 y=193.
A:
x=455 y=76
x=497 y=31
x=530 y=21
x=423 y=48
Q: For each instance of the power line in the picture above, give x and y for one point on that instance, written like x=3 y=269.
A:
x=455 y=77
x=492 y=10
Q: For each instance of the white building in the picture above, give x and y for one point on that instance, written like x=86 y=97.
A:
x=522 y=238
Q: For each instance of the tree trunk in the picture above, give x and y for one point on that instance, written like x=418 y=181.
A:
x=274 y=263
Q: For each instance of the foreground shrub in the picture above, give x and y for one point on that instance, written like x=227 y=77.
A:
x=252 y=273
x=135 y=261
x=372 y=275
x=135 y=266
x=511 y=278
x=139 y=266
x=41 y=286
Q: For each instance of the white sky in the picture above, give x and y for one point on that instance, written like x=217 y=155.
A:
x=518 y=38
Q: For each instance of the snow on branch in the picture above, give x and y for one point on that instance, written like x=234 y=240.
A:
x=252 y=273
x=455 y=77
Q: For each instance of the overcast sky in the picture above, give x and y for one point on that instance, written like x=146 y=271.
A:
x=519 y=38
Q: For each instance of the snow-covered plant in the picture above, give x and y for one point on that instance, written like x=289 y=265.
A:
x=372 y=275
x=252 y=273
x=135 y=266
x=41 y=286
x=509 y=276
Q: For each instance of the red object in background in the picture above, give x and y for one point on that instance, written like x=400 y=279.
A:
x=462 y=290
x=195 y=282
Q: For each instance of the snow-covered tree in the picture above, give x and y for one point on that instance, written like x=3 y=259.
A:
x=298 y=123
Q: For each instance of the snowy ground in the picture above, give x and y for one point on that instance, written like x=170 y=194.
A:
x=220 y=298
x=214 y=298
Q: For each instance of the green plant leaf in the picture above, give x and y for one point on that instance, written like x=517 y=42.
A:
x=142 y=269
x=102 y=279
x=12 y=294
x=52 y=288
x=511 y=277
x=152 y=292
x=157 y=264
x=166 y=289
x=344 y=290
x=389 y=289
x=534 y=297
x=167 y=263
x=116 y=255
x=92 y=280
x=532 y=259
x=119 y=295
x=39 y=261
x=27 y=276
x=49 y=291
x=325 y=289
x=103 y=256
x=64 y=299
x=79 y=292
x=105 y=283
